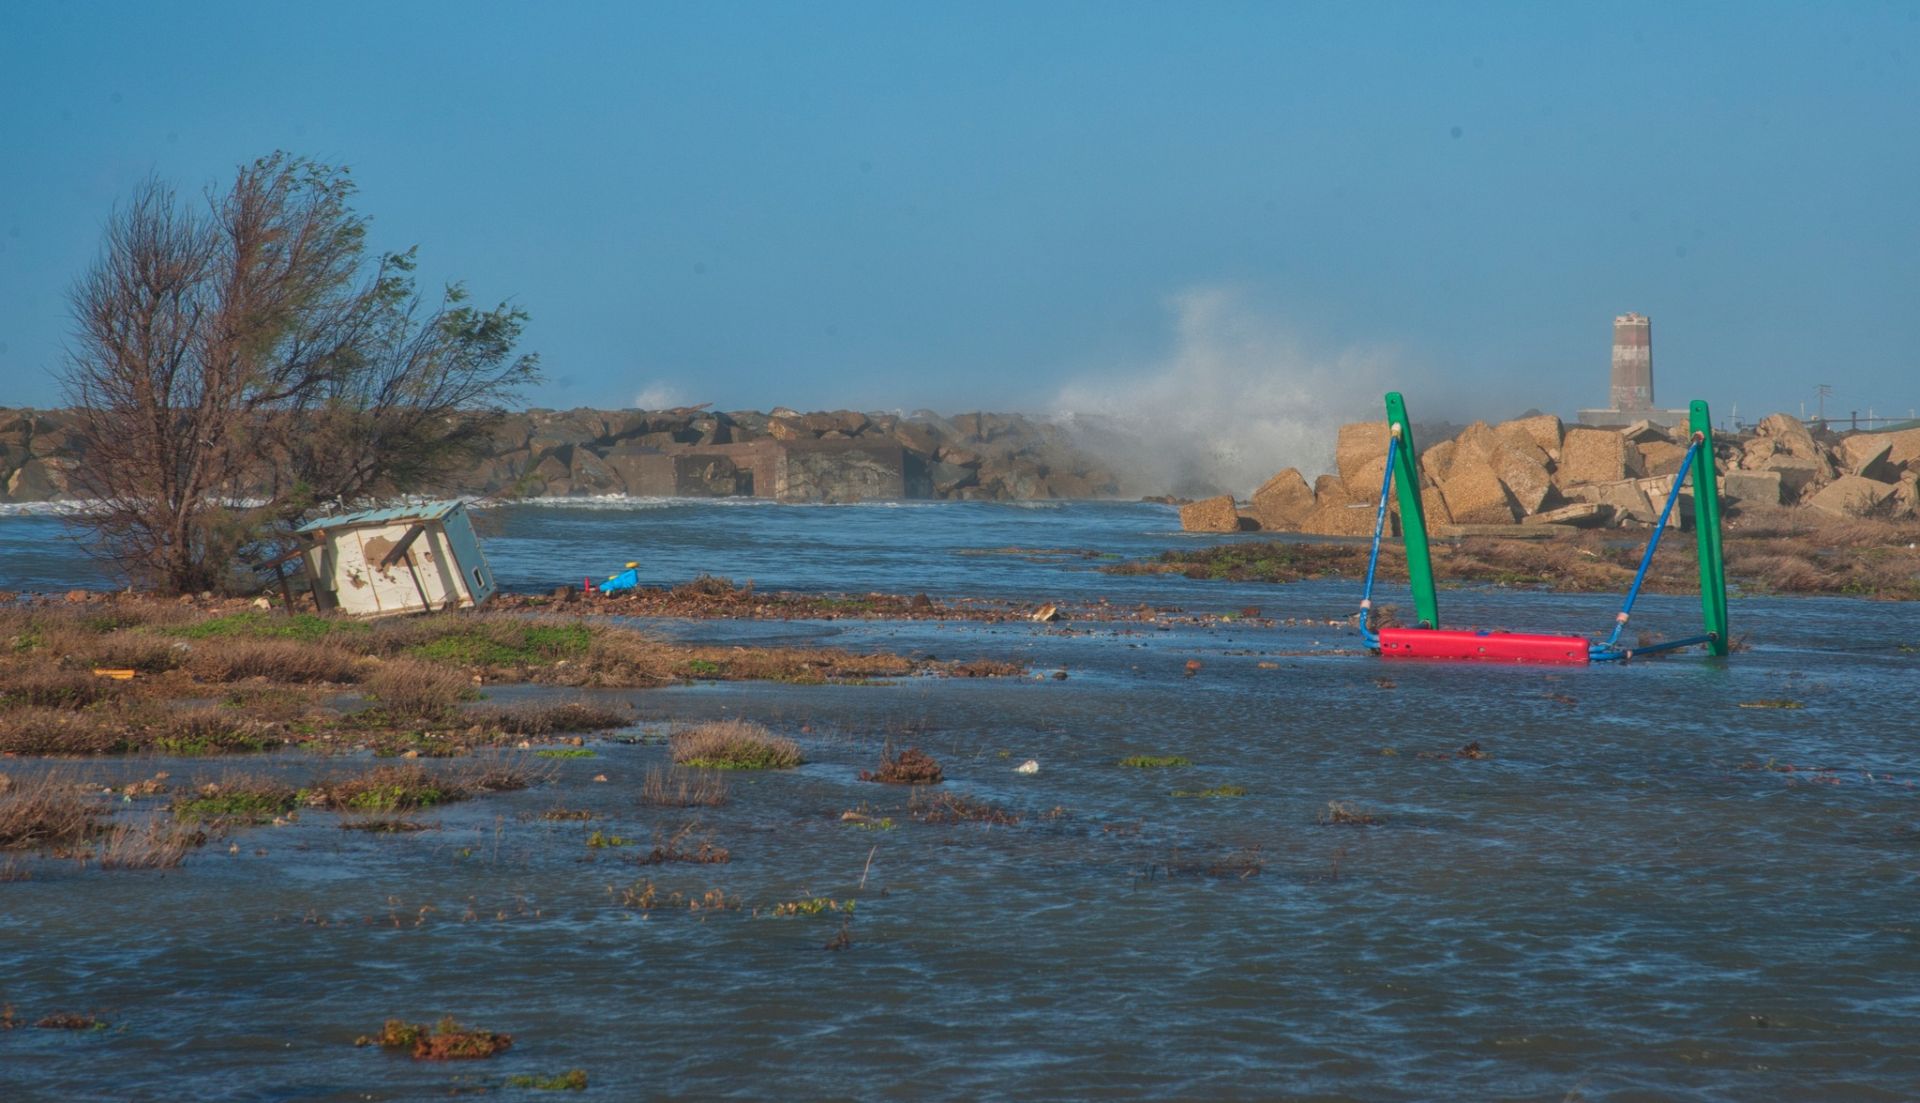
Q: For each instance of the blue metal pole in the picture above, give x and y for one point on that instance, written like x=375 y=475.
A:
x=1379 y=526
x=1653 y=545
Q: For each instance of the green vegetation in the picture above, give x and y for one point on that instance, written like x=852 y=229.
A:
x=499 y=643
x=259 y=624
x=703 y=668
x=572 y=1080
x=1155 y=761
x=242 y=798
x=1214 y=793
x=570 y=752
x=733 y=745
x=600 y=840
x=813 y=905
x=1774 y=703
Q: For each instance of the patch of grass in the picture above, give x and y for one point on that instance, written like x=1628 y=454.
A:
x=392 y=789
x=38 y=730
x=572 y=1080
x=607 y=840
x=511 y=642
x=569 y=752
x=206 y=731
x=683 y=789
x=379 y=825
x=733 y=745
x=1155 y=761
x=1777 y=703
x=258 y=624
x=566 y=815
x=241 y=798
x=1215 y=793
x=703 y=668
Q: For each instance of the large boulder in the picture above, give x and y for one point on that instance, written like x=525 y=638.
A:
x=1787 y=434
x=1360 y=456
x=1869 y=455
x=1474 y=492
x=1338 y=517
x=1850 y=496
x=1591 y=457
x=1753 y=488
x=1661 y=457
x=1210 y=515
x=1283 y=501
x=1544 y=430
x=1524 y=477
x=1798 y=474
x=1434 y=461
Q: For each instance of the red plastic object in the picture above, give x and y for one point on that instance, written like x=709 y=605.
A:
x=1481 y=646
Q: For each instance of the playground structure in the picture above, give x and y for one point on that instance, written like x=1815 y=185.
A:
x=1427 y=640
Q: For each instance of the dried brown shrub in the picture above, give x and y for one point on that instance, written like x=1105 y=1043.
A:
x=549 y=717
x=204 y=731
x=733 y=745
x=1342 y=813
x=910 y=767
x=152 y=845
x=46 y=810
x=985 y=668
x=409 y=689
x=683 y=789
x=231 y=659
x=676 y=849
x=445 y=1041
x=948 y=807
x=51 y=731
x=49 y=686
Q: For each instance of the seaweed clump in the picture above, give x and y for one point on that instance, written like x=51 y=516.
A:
x=446 y=1040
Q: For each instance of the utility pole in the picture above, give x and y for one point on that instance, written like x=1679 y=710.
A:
x=1823 y=391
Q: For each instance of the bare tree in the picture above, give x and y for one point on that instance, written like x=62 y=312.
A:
x=236 y=365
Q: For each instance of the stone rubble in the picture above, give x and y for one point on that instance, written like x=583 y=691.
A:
x=1535 y=471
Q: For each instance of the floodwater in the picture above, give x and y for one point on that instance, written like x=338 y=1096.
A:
x=1641 y=891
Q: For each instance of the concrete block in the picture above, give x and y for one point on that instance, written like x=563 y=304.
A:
x=1592 y=456
x=1283 y=501
x=1210 y=515
x=1851 y=496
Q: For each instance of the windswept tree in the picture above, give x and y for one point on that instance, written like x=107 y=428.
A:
x=240 y=362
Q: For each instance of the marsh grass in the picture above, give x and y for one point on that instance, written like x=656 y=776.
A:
x=409 y=690
x=48 y=686
x=46 y=810
x=1217 y=792
x=155 y=844
x=572 y=1080
x=538 y=718
x=1155 y=761
x=675 y=788
x=948 y=807
x=677 y=849
x=230 y=659
x=247 y=797
x=733 y=745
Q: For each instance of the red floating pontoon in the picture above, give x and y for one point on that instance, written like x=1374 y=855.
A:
x=1485 y=646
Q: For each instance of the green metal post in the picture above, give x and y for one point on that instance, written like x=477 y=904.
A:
x=1413 y=517
x=1706 y=528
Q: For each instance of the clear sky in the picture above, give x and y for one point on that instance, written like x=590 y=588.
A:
x=1037 y=205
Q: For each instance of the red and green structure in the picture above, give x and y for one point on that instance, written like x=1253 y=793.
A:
x=1426 y=639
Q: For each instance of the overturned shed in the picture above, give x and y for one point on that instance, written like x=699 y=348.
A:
x=402 y=559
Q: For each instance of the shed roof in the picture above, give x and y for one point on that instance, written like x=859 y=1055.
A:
x=415 y=511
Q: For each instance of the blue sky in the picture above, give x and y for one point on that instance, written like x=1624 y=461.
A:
x=1020 y=205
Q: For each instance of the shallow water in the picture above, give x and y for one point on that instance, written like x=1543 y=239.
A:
x=1629 y=897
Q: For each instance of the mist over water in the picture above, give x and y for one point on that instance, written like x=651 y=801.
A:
x=1241 y=396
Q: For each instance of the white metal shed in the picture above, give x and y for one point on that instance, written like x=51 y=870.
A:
x=401 y=559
